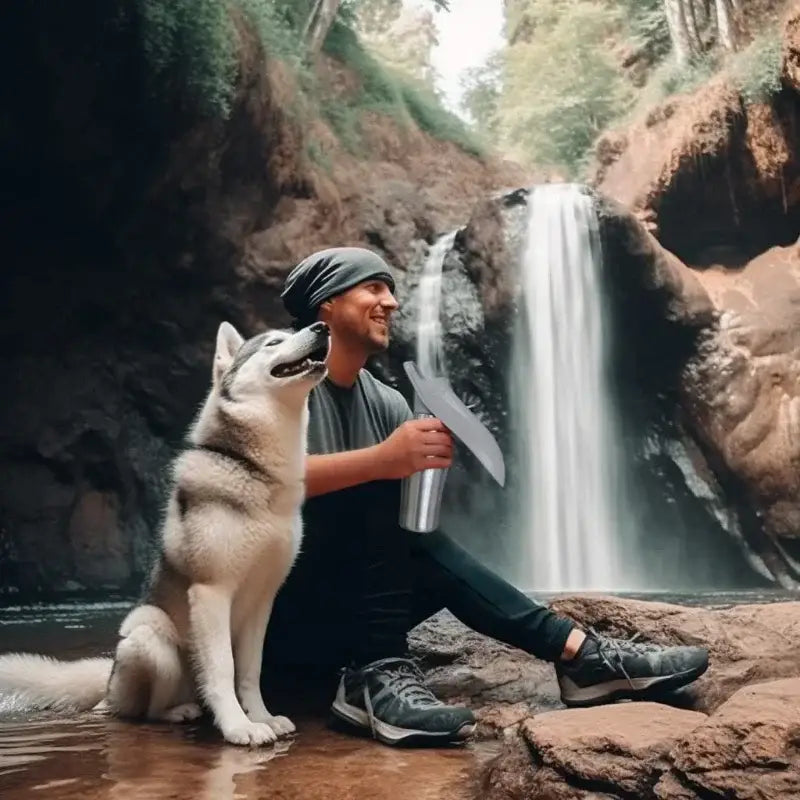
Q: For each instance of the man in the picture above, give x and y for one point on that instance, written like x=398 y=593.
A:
x=361 y=582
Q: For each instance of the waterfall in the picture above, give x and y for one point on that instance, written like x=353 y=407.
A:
x=569 y=496
x=429 y=355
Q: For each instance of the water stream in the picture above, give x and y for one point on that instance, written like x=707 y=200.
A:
x=429 y=355
x=571 y=497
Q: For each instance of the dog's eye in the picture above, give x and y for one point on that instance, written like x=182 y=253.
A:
x=273 y=342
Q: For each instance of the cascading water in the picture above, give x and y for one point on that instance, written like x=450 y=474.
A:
x=568 y=436
x=429 y=355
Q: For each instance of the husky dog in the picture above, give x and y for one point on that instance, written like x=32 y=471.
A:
x=231 y=532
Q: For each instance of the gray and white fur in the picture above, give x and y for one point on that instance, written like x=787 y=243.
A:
x=231 y=532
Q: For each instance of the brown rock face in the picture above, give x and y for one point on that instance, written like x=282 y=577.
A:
x=717 y=181
x=742 y=392
x=747 y=644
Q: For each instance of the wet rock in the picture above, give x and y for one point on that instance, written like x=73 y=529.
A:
x=480 y=290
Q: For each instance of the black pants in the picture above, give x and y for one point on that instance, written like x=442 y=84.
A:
x=361 y=583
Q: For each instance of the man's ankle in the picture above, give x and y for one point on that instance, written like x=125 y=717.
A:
x=573 y=644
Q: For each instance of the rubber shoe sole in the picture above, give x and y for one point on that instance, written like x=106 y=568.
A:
x=393 y=735
x=574 y=696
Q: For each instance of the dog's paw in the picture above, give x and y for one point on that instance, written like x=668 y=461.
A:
x=250 y=733
x=283 y=726
x=183 y=713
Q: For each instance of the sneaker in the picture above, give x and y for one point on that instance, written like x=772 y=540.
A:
x=389 y=698
x=607 y=669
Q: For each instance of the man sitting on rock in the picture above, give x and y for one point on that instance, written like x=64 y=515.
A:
x=361 y=582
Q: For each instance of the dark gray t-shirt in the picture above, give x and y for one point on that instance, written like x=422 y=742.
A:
x=351 y=418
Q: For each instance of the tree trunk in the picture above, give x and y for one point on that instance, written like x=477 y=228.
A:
x=319 y=23
x=690 y=15
x=678 y=31
x=725 y=24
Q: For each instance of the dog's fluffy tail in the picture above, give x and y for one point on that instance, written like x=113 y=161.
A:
x=45 y=682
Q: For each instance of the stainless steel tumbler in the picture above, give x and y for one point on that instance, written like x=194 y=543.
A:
x=421 y=496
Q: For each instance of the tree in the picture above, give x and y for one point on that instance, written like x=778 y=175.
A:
x=403 y=38
x=482 y=86
x=725 y=23
x=319 y=22
x=563 y=86
x=682 y=43
x=694 y=25
x=324 y=12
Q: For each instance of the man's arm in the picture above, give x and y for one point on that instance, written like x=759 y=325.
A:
x=335 y=471
x=414 y=446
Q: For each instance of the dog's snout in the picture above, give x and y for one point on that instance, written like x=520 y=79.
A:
x=319 y=327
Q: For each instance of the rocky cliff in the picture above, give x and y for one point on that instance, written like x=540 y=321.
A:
x=132 y=228
x=717 y=181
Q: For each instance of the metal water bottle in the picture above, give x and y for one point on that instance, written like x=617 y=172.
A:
x=421 y=493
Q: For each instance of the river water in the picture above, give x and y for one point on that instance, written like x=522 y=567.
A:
x=96 y=757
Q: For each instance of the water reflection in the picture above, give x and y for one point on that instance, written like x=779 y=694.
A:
x=99 y=758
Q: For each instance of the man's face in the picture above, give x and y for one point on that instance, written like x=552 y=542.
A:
x=361 y=315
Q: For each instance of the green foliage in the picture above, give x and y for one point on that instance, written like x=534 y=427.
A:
x=388 y=92
x=400 y=37
x=191 y=44
x=190 y=49
x=675 y=79
x=647 y=26
x=757 y=69
x=481 y=90
x=278 y=24
x=563 y=87
x=427 y=111
x=317 y=155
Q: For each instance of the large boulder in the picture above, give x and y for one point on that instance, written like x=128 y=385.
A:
x=747 y=644
x=730 y=734
x=745 y=750
x=741 y=394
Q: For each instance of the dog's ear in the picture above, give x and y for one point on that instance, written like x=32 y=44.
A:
x=228 y=342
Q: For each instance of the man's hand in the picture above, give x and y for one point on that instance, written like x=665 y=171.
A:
x=416 y=445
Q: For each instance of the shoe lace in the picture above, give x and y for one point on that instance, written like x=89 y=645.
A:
x=613 y=651
x=403 y=678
